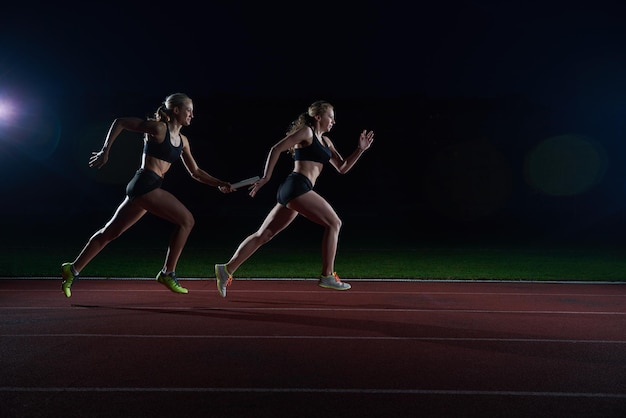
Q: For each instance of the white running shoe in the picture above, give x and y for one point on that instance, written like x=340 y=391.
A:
x=224 y=278
x=333 y=282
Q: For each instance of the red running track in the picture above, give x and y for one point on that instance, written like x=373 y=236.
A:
x=287 y=348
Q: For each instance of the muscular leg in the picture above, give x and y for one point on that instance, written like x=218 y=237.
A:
x=315 y=208
x=125 y=216
x=158 y=202
x=165 y=205
x=278 y=219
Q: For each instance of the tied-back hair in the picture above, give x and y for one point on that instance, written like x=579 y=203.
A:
x=308 y=118
x=172 y=101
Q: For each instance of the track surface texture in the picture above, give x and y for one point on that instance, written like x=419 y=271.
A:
x=288 y=348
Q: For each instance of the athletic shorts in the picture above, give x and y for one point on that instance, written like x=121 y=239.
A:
x=295 y=184
x=143 y=182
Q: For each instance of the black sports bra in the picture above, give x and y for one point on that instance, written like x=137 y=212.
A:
x=314 y=152
x=165 y=150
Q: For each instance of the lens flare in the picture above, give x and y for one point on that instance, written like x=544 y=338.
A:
x=28 y=127
x=566 y=165
x=7 y=111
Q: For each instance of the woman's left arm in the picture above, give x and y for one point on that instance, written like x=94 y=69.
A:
x=344 y=165
x=199 y=174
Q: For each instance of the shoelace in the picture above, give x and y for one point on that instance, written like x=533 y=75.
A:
x=336 y=276
x=229 y=280
x=174 y=279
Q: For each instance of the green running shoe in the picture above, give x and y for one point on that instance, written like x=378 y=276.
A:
x=171 y=282
x=333 y=282
x=68 y=278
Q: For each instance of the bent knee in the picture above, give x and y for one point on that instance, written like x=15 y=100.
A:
x=334 y=224
x=188 y=221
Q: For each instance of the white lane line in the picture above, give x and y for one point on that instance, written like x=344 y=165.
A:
x=318 y=337
x=352 y=292
x=323 y=390
x=310 y=309
x=355 y=279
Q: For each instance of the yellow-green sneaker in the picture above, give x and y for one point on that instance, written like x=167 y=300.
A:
x=68 y=278
x=170 y=281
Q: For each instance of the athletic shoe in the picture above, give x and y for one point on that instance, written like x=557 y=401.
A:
x=333 y=282
x=171 y=282
x=224 y=278
x=68 y=278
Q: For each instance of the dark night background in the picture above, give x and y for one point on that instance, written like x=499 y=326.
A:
x=493 y=119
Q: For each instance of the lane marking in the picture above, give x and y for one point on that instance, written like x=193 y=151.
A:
x=356 y=279
x=309 y=309
x=318 y=337
x=352 y=292
x=599 y=395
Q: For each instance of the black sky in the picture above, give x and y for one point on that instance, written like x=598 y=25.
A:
x=503 y=76
x=372 y=48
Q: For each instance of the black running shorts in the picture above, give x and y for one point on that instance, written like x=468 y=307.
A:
x=143 y=182
x=295 y=184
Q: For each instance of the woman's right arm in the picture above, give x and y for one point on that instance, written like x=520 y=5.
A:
x=272 y=158
x=100 y=158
